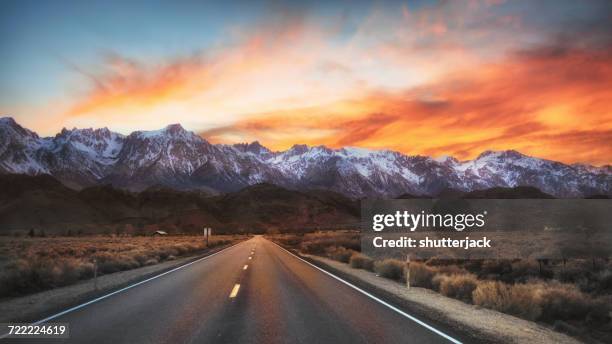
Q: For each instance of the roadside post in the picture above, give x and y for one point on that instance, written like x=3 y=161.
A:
x=207 y=234
x=95 y=271
x=408 y=271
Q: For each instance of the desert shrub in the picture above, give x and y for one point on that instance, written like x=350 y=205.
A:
x=141 y=258
x=219 y=243
x=151 y=261
x=422 y=275
x=165 y=252
x=115 y=264
x=318 y=243
x=560 y=301
x=340 y=254
x=523 y=270
x=449 y=269
x=70 y=271
x=24 y=276
x=313 y=247
x=604 y=281
x=546 y=301
x=390 y=268
x=181 y=249
x=573 y=272
x=600 y=312
x=458 y=286
x=289 y=240
x=495 y=266
x=86 y=270
x=351 y=242
x=473 y=265
x=360 y=261
x=519 y=300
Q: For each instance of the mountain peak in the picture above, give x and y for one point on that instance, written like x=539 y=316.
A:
x=175 y=128
x=7 y=120
x=254 y=147
x=357 y=151
x=100 y=133
x=171 y=130
x=446 y=159
x=298 y=148
x=510 y=153
x=11 y=125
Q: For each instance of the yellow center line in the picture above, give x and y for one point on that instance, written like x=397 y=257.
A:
x=234 y=291
x=245 y=267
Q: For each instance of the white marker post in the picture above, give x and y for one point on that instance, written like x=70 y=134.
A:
x=95 y=271
x=408 y=271
x=207 y=234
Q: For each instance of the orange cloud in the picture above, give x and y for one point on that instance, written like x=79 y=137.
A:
x=287 y=62
x=552 y=103
x=128 y=82
x=434 y=81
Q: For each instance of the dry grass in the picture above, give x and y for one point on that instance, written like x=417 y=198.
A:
x=340 y=254
x=511 y=299
x=390 y=268
x=422 y=275
x=338 y=245
x=319 y=243
x=30 y=265
x=457 y=286
x=360 y=261
x=539 y=300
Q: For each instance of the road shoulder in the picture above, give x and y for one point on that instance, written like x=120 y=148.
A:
x=479 y=324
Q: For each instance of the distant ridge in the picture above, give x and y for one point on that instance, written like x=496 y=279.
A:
x=43 y=203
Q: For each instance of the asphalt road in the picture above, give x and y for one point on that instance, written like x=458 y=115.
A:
x=280 y=299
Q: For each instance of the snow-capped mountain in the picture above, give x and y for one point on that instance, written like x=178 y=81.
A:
x=19 y=149
x=176 y=158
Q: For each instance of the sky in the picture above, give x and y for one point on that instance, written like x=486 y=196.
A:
x=432 y=78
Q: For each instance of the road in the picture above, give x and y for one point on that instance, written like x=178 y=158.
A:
x=253 y=292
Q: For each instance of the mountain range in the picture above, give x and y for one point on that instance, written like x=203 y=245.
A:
x=178 y=159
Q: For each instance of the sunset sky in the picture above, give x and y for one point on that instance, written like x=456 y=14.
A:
x=421 y=77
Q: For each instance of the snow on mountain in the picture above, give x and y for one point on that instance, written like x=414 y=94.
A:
x=177 y=158
x=19 y=148
x=99 y=144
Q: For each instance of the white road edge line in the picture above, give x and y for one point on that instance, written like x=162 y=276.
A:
x=427 y=326
x=234 y=291
x=126 y=288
